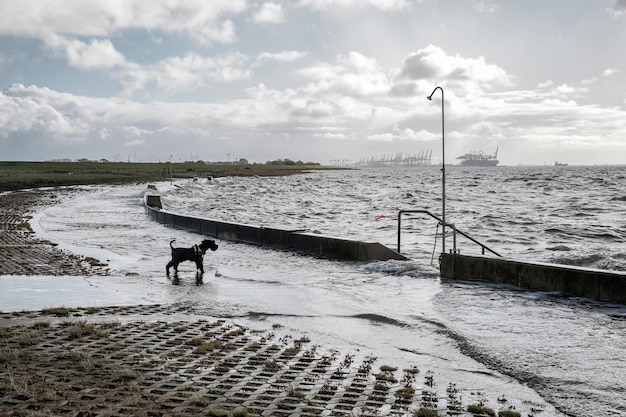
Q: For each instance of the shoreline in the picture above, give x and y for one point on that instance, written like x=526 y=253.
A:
x=169 y=360
x=15 y=176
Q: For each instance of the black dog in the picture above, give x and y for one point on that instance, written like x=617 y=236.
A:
x=195 y=254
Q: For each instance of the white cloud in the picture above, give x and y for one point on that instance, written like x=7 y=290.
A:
x=319 y=112
x=203 y=20
x=568 y=90
x=284 y=56
x=351 y=91
x=133 y=132
x=317 y=109
x=463 y=75
x=269 y=13
x=223 y=32
x=95 y=55
x=590 y=81
x=329 y=135
x=545 y=84
x=42 y=111
x=391 y=5
x=341 y=97
x=609 y=72
x=619 y=7
x=565 y=89
x=398 y=134
x=136 y=142
x=486 y=6
x=385 y=5
x=382 y=137
x=353 y=75
x=185 y=73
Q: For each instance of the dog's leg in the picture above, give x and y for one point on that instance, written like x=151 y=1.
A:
x=200 y=266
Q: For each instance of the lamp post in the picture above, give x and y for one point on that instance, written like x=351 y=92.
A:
x=443 y=170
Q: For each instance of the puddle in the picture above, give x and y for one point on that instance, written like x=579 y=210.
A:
x=18 y=293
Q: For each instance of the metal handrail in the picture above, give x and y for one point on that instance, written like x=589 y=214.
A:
x=452 y=226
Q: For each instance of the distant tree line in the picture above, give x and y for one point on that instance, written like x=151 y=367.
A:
x=289 y=162
x=241 y=161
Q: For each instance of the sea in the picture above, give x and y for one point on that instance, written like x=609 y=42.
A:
x=539 y=353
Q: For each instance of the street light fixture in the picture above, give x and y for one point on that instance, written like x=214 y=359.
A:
x=443 y=169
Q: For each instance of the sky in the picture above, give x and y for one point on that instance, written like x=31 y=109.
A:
x=313 y=80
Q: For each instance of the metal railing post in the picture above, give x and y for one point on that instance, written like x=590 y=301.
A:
x=453 y=238
x=399 y=228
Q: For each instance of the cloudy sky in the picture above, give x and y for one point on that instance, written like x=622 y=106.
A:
x=313 y=80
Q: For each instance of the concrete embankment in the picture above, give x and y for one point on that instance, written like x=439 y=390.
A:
x=581 y=282
x=309 y=243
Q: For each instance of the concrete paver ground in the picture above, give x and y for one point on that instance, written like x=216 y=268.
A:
x=98 y=362
x=23 y=254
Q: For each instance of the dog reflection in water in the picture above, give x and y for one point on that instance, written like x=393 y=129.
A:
x=194 y=254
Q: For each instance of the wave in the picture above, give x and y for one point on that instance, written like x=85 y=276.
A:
x=598 y=261
x=246 y=279
x=258 y=315
x=373 y=318
x=398 y=268
x=378 y=319
x=559 y=248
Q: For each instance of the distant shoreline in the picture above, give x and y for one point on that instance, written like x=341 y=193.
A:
x=27 y=175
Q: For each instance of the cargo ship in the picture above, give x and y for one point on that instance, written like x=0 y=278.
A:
x=479 y=159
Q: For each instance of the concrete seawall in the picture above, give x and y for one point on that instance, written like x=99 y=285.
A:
x=582 y=282
x=312 y=244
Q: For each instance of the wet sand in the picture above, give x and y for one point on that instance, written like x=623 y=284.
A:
x=168 y=360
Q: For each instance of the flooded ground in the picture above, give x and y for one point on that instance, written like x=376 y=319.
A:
x=543 y=351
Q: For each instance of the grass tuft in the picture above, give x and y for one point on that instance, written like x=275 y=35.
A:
x=426 y=412
x=206 y=347
x=80 y=329
x=509 y=413
x=240 y=412
x=480 y=409
x=57 y=311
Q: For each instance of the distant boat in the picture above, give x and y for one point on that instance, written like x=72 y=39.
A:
x=479 y=159
x=560 y=164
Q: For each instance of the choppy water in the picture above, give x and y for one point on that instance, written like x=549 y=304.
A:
x=567 y=215
x=545 y=351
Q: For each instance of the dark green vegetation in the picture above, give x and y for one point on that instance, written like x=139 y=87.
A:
x=21 y=175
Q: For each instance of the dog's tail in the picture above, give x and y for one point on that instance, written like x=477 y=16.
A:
x=172 y=241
